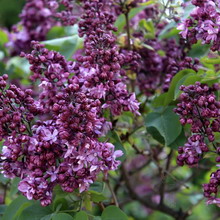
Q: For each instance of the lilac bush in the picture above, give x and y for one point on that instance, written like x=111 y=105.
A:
x=110 y=109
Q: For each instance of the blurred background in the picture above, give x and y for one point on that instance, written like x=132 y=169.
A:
x=9 y=11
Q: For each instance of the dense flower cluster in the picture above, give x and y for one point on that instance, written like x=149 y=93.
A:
x=37 y=18
x=198 y=106
x=203 y=24
x=53 y=139
x=62 y=146
x=200 y=109
x=101 y=66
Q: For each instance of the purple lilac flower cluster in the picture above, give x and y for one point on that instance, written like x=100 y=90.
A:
x=101 y=66
x=61 y=147
x=203 y=24
x=37 y=18
x=53 y=139
x=198 y=105
x=200 y=109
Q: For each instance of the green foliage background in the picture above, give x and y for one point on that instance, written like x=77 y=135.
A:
x=9 y=10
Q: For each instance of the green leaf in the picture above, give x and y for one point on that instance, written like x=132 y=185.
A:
x=172 y=33
x=97 y=218
x=18 y=67
x=2 y=55
x=71 y=30
x=87 y=202
x=211 y=60
x=14 y=187
x=2 y=67
x=59 y=192
x=97 y=187
x=148 y=46
x=62 y=216
x=120 y=23
x=96 y=197
x=135 y=11
x=156 y=135
x=3 y=179
x=60 y=202
x=171 y=92
x=3 y=37
x=150 y=2
x=35 y=212
x=2 y=209
x=180 y=141
x=80 y=216
x=147 y=25
x=20 y=210
x=56 y=32
x=113 y=213
x=126 y=119
x=199 y=50
x=15 y=207
x=166 y=122
x=65 y=45
x=162 y=53
x=166 y=30
x=61 y=31
x=47 y=217
x=159 y=100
